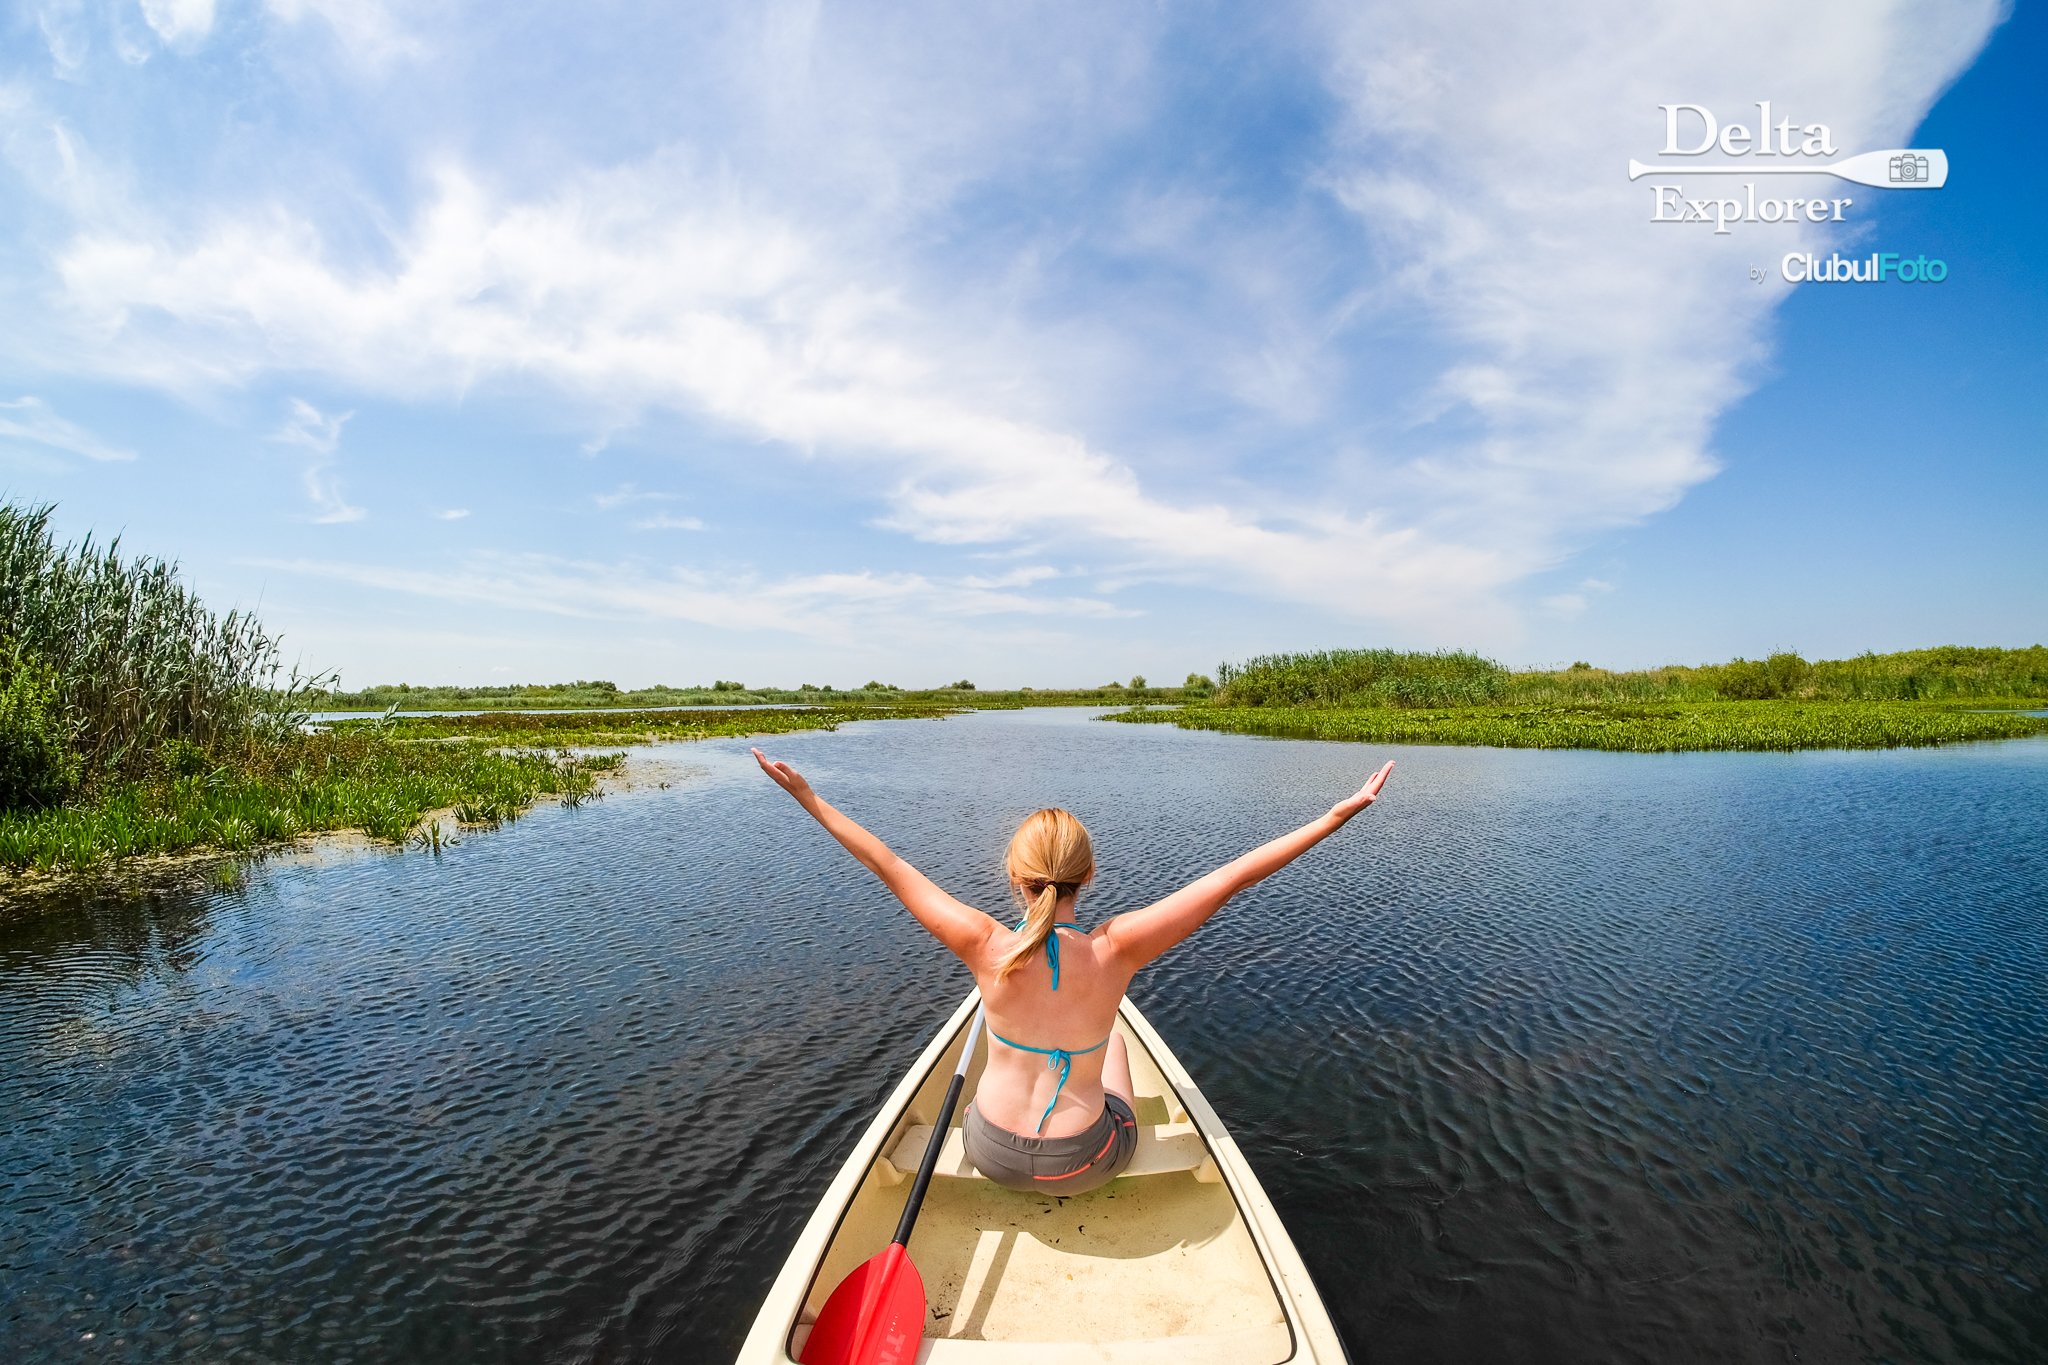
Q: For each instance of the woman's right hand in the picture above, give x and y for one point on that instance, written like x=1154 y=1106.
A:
x=1365 y=795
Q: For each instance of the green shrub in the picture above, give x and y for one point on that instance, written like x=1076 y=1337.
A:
x=37 y=767
x=1363 y=677
x=1784 y=674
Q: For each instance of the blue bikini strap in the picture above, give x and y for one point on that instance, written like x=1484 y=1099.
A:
x=1052 y=948
x=1056 y=1059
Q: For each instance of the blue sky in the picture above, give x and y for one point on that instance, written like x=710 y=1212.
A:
x=1038 y=344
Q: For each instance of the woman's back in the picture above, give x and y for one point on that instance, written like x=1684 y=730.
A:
x=1023 y=1008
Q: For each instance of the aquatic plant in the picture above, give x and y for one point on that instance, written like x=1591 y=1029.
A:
x=1653 y=728
x=588 y=729
x=37 y=767
x=136 y=658
x=1362 y=677
x=301 y=785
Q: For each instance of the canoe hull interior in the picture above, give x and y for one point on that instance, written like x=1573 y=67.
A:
x=1187 y=1264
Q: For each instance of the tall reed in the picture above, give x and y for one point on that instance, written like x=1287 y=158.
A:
x=137 y=658
x=1362 y=677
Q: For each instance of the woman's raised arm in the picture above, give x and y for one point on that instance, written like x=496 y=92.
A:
x=1142 y=935
x=960 y=927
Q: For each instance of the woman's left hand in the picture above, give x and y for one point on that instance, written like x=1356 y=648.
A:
x=1365 y=795
x=786 y=777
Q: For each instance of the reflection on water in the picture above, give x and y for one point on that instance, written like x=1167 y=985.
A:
x=1551 y=1057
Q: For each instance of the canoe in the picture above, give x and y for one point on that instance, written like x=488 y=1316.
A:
x=1181 y=1261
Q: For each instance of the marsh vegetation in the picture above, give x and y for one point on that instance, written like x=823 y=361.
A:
x=135 y=721
x=585 y=729
x=1783 y=702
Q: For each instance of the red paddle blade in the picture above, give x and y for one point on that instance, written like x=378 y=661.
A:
x=874 y=1317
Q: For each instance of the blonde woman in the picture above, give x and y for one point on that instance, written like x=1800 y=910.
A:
x=1054 y=1110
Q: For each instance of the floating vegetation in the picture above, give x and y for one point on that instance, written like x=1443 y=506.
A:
x=1619 y=727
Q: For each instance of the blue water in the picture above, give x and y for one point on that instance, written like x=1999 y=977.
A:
x=1549 y=1057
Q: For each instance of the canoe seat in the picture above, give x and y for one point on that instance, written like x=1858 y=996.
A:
x=1162 y=1148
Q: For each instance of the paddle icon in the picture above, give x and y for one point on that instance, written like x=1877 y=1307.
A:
x=876 y=1315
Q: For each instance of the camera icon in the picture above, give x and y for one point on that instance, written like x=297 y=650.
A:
x=1908 y=169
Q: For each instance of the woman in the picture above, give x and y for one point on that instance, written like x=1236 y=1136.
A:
x=1055 y=1110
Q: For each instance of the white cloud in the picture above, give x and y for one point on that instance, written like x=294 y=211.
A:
x=453 y=514
x=668 y=523
x=627 y=494
x=320 y=433
x=182 y=24
x=624 y=297
x=366 y=29
x=62 y=23
x=1485 y=154
x=308 y=426
x=845 y=609
x=1569 y=359
x=31 y=419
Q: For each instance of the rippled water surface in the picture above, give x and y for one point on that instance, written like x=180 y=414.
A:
x=1550 y=1057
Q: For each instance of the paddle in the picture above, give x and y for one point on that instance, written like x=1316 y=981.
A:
x=876 y=1315
x=1888 y=170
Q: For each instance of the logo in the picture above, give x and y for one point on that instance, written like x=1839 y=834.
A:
x=1801 y=267
x=1806 y=147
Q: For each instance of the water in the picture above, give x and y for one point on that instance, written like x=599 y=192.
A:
x=1549 y=1057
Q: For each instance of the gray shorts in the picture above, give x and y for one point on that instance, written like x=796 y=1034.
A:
x=1067 y=1165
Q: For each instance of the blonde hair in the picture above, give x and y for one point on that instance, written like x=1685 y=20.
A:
x=1050 y=857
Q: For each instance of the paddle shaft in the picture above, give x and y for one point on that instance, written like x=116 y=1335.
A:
x=932 y=1148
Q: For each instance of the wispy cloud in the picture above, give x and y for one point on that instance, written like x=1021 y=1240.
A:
x=366 y=29
x=453 y=514
x=1566 y=605
x=1448 y=347
x=320 y=433
x=843 y=609
x=31 y=419
x=625 y=495
x=668 y=523
x=182 y=24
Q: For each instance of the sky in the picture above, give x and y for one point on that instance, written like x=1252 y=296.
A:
x=1038 y=344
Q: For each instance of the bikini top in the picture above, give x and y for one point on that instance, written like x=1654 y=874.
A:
x=1056 y=1059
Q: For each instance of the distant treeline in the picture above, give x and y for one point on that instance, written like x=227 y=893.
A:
x=1386 y=677
x=587 y=694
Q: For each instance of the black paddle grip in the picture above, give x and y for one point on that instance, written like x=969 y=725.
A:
x=931 y=1159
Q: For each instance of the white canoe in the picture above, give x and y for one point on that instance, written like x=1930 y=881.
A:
x=1181 y=1261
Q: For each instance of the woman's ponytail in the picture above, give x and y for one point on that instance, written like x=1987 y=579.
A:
x=1050 y=857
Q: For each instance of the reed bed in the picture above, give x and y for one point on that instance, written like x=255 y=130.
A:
x=1362 y=677
x=1384 y=677
x=134 y=657
x=627 y=727
x=303 y=785
x=1618 y=727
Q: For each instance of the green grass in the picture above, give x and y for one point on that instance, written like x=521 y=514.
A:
x=628 y=727
x=302 y=786
x=380 y=778
x=1618 y=727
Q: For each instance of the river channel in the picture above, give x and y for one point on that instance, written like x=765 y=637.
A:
x=1549 y=1057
